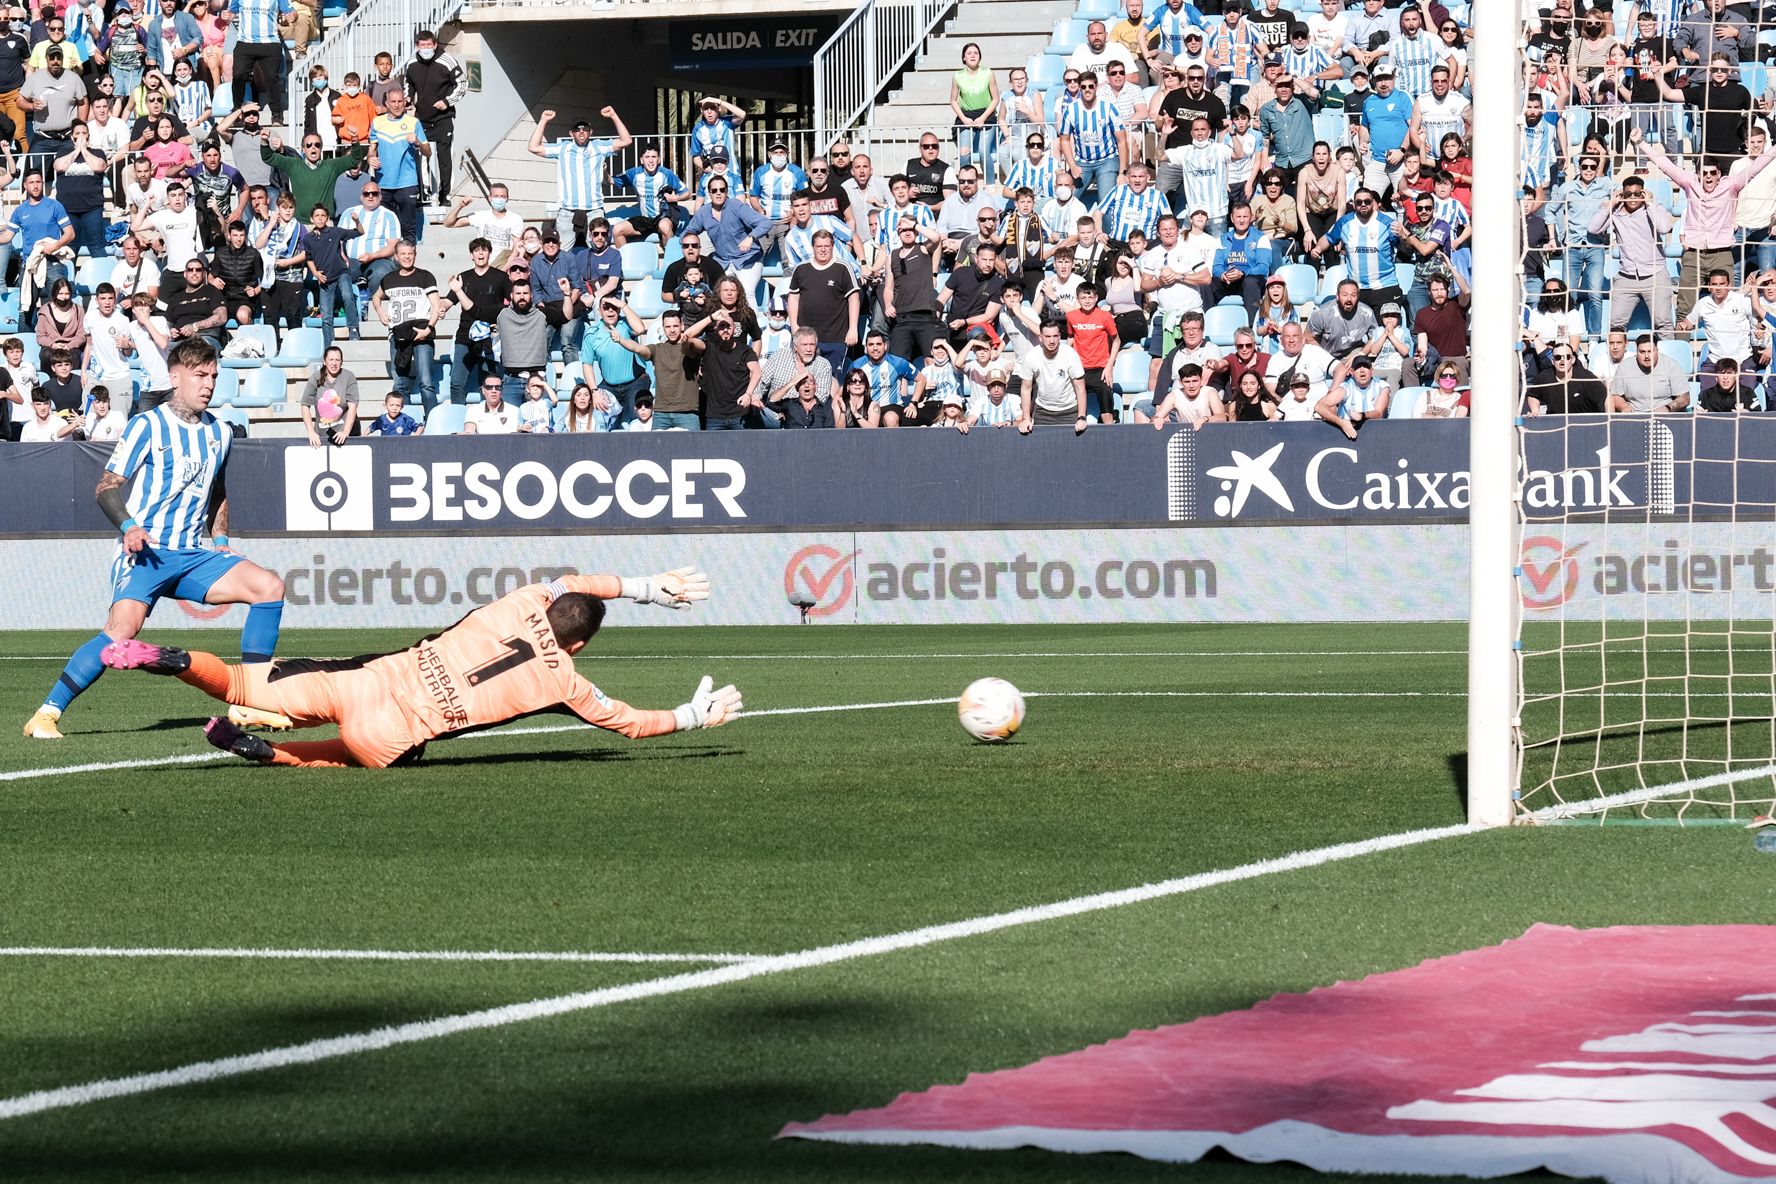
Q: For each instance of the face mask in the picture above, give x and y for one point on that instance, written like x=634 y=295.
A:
x=352 y=91
x=25 y=26
x=777 y=322
x=425 y=55
x=1063 y=195
x=498 y=204
x=1447 y=382
x=320 y=84
x=778 y=160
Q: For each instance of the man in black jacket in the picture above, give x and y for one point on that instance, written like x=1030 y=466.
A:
x=435 y=85
x=1565 y=387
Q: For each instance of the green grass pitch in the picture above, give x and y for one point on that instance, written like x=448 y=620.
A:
x=775 y=834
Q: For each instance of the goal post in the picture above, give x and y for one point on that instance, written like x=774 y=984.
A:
x=1493 y=526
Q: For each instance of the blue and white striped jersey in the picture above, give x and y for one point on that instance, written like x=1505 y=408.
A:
x=1039 y=178
x=1413 y=58
x=719 y=134
x=1368 y=248
x=798 y=243
x=888 y=230
x=1305 y=63
x=1171 y=26
x=1356 y=399
x=943 y=382
x=773 y=188
x=1093 y=130
x=380 y=226
x=1239 y=170
x=175 y=466
x=1005 y=411
x=1539 y=150
x=1125 y=210
x=648 y=187
x=1205 y=168
x=889 y=379
x=1453 y=212
x=256 y=20
x=579 y=172
x=192 y=102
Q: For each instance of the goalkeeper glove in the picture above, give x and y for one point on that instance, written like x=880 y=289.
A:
x=708 y=708
x=677 y=588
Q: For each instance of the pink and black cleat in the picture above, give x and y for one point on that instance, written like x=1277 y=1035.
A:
x=139 y=655
x=224 y=735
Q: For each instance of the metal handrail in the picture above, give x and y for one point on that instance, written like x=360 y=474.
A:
x=376 y=26
x=860 y=59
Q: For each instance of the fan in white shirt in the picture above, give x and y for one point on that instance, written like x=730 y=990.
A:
x=176 y=226
x=1726 y=317
x=108 y=341
x=106 y=416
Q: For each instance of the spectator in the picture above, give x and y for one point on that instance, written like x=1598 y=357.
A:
x=45 y=426
x=383 y=82
x=1651 y=382
x=1615 y=353
x=735 y=230
x=353 y=112
x=108 y=344
x=285 y=246
x=807 y=408
x=729 y=374
x=1357 y=398
x=1446 y=398
x=600 y=265
x=1637 y=226
x=54 y=99
x=177 y=228
x=394 y=420
x=244 y=145
x=435 y=85
x=657 y=192
x=1092 y=331
x=1441 y=329
x=61 y=386
x=1708 y=236
x=644 y=415
x=823 y=296
x=39 y=233
x=676 y=363
x=556 y=282
x=60 y=322
x=104 y=421
x=536 y=415
x=239 y=269
x=971 y=297
x=1053 y=379
x=1170 y=274
x=493 y=415
x=1132 y=206
x=1570 y=213
x=327 y=265
x=1553 y=320
x=1277 y=216
x=1565 y=387
x=1273 y=312
x=1724 y=315
x=1243 y=262
x=1250 y=402
x=1191 y=400
x=397 y=142
x=689 y=282
x=856 y=408
x=407 y=302
x=928 y=175
x=1381 y=137
x=889 y=376
x=1368 y=241
x=1727 y=394
x=259 y=56
x=80 y=187
x=498 y=223
x=784 y=368
x=310 y=177
x=962 y=211
x=371 y=255
x=620 y=379
x=135 y=270
x=218 y=191
x=480 y=293
x=868 y=192
x=1343 y=325
x=195 y=310
x=717 y=122
x=524 y=340
x=773 y=183
x=1093 y=141
x=152 y=337
x=330 y=400
x=1299 y=358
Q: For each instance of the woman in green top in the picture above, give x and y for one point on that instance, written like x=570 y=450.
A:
x=974 y=97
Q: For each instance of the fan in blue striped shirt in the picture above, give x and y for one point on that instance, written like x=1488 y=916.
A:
x=1171 y=19
x=1133 y=205
x=175 y=455
x=715 y=126
x=256 y=21
x=1036 y=172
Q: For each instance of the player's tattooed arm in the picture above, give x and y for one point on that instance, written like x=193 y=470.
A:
x=112 y=499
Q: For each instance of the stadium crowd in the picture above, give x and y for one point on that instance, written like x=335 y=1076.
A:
x=1208 y=211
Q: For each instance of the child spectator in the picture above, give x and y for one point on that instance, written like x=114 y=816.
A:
x=644 y=415
x=353 y=112
x=538 y=412
x=45 y=425
x=394 y=420
x=103 y=421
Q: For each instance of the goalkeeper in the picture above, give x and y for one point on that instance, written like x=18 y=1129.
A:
x=510 y=658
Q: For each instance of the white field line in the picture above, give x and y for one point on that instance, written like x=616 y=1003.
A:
x=362 y=955
x=313 y=1051
x=1633 y=797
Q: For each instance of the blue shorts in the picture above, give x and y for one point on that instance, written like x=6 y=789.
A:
x=154 y=573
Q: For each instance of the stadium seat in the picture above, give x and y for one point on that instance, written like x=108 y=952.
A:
x=1130 y=375
x=1755 y=77
x=1097 y=10
x=93 y=271
x=1406 y=273
x=302 y=348
x=227 y=388
x=264 y=387
x=558 y=417
x=9 y=310
x=446 y=419
x=1303 y=280
x=673 y=253
x=265 y=335
x=640 y=261
x=1332 y=127
x=1598 y=357
x=1221 y=322
x=1407 y=402
x=645 y=299
x=1045 y=72
x=1681 y=352
x=1067 y=36
x=232 y=415
x=1329 y=282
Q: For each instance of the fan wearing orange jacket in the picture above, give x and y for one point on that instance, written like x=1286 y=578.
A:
x=353 y=112
x=511 y=658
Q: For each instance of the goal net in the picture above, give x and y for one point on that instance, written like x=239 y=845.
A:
x=1646 y=654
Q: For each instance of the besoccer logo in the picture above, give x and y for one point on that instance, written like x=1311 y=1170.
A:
x=328 y=489
x=822 y=574
x=1550 y=572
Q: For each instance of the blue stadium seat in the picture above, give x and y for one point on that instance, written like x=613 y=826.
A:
x=1406 y=273
x=1303 y=280
x=1329 y=282
x=558 y=417
x=1220 y=323
x=1097 y=10
x=263 y=387
x=1408 y=402
x=640 y=261
x=1045 y=72
x=1681 y=352
x=673 y=253
x=93 y=271
x=232 y=415
x=302 y=348
x=227 y=388
x=1755 y=77
x=446 y=419
x=9 y=310
x=1066 y=37
x=645 y=299
x=1130 y=375
x=265 y=335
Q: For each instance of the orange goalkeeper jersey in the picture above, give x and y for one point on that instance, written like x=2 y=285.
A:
x=501 y=662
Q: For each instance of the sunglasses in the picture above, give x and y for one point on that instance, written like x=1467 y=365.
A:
x=311 y=143
x=817 y=172
x=1195 y=77
x=371 y=193
x=1563 y=357
x=490 y=386
x=1115 y=73
x=718 y=189
x=907 y=230
x=928 y=147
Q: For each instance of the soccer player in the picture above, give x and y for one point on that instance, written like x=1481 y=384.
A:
x=510 y=658
x=176 y=455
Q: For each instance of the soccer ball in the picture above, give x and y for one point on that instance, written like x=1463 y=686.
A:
x=991 y=710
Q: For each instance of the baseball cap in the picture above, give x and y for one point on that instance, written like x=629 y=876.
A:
x=953 y=397
x=584 y=123
x=1391 y=307
x=997 y=374
x=776 y=143
x=643 y=398
x=550 y=235
x=1193 y=31
x=1275 y=59
x=1298 y=379
x=1362 y=362
x=1382 y=71
x=1276 y=281
x=716 y=152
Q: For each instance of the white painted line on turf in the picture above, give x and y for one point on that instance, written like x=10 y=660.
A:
x=496 y=1017
x=154 y=762
x=300 y=955
x=1561 y=811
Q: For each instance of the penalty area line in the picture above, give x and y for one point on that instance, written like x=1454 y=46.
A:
x=336 y=1047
